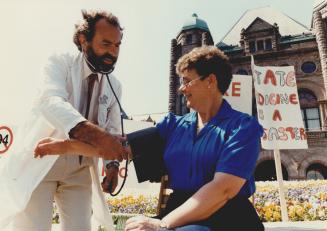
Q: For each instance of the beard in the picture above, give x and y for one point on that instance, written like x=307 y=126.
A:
x=97 y=62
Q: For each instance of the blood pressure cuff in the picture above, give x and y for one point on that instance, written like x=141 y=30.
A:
x=147 y=148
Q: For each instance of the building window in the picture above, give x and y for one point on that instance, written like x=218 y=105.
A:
x=309 y=109
x=260 y=45
x=316 y=172
x=189 y=39
x=241 y=72
x=310 y=118
x=268 y=45
x=252 y=46
x=308 y=67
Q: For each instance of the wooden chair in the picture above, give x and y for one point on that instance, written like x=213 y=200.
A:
x=163 y=194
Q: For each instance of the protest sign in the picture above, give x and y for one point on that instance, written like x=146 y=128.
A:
x=239 y=93
x=278 y=108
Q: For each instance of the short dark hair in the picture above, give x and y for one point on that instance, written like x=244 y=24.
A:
x=87 y=26
x=207 y=60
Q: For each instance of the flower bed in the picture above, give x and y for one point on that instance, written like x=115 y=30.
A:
x=146 y=205
x=306 y=201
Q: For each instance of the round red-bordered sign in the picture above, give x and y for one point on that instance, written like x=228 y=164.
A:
x=5 y=132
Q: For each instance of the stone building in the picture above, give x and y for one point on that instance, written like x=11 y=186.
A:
x=274 y=39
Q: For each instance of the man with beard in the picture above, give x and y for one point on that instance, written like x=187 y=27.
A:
x=77 y=102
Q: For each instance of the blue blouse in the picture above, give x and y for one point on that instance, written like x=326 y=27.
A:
x=228 y=143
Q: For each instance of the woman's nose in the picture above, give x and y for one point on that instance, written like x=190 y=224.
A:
x=181 y=89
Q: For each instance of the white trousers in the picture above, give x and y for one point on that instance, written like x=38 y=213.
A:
x=69 y=184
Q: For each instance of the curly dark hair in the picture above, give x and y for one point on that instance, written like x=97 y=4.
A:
x=87 y=26
x=207 y=60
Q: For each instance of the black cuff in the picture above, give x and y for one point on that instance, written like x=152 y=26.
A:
x=113 y=163
x=148 y=148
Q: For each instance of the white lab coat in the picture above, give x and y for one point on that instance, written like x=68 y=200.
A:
x=54 y=114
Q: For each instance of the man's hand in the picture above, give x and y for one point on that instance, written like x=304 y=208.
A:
x=110 y=181
x=108 y=145
x=142 y=223
x=127 y=155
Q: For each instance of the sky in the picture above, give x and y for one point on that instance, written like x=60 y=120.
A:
x=33 y=30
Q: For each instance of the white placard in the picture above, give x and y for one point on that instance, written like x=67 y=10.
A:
x=278 y=107
x=239 y=93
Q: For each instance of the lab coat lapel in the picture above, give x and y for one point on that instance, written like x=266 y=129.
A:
x=77 y=77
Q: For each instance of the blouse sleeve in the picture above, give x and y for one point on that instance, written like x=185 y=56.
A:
x=241 y=150
x=166 y=126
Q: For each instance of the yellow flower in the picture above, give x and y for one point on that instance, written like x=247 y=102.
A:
x=276 y=216
x=268 y=214
x=299 y=211
x=291 y=211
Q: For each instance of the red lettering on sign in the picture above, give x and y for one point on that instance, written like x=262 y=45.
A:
x=303 y=134
x=270 y=76
x=293 y=99
x=261 y=99
x=236 y=88
x=290 y=79
x=276 y=115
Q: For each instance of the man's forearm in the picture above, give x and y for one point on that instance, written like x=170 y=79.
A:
x=109 y=146
x=87 y=132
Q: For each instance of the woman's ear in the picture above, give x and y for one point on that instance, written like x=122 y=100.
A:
x=212 y=80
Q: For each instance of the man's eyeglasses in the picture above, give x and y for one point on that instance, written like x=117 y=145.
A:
x=186 y=82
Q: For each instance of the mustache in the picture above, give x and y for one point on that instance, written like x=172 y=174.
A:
x=109 y=56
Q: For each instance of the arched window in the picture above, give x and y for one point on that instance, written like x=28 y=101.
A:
x=317 y=172
x=308 y=67
x=265 y=171
x=241 y=72
x=309 y=109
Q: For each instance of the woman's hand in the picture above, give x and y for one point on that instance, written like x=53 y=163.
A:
x=142 y=223
x=50 y=146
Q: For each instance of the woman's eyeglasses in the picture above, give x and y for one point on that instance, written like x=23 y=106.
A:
x=186 y=82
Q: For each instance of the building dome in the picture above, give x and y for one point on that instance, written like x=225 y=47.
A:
x=195 y=23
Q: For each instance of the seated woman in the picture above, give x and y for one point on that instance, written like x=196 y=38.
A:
x=209 y=154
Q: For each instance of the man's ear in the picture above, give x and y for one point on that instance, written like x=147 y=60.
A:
x=82 y=41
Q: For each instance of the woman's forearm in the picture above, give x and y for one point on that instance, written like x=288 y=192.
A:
x=76 y=147
x=51 y=146
x=199 y=207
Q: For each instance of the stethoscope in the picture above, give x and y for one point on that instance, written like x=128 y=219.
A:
x=106 y=73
